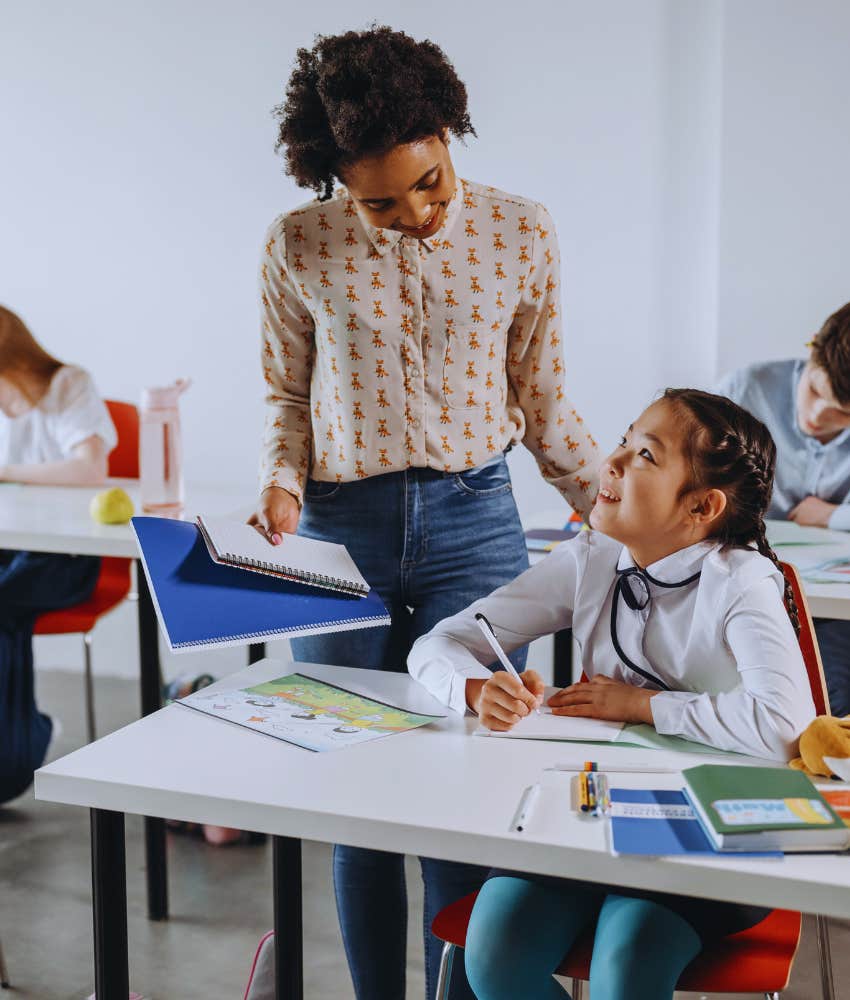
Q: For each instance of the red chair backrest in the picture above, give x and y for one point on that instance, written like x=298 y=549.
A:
x=124 y=457
x=808 y=642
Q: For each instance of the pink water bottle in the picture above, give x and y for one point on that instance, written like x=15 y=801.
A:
x=160 y=450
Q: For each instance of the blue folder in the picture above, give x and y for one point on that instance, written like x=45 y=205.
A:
x=200 y=603
x=661 y=836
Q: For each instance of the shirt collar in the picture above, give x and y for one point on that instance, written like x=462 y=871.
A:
x=384 y=240
x=677 y=566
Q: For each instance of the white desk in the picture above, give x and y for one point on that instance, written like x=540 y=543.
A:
x=435 y=791
x=56 y=519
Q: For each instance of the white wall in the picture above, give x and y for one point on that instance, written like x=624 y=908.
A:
x=692 y=154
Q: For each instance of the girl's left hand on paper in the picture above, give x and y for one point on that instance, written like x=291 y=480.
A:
x=604 y=698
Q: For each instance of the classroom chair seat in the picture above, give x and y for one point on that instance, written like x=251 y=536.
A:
x=757 y=960
x=115 y=578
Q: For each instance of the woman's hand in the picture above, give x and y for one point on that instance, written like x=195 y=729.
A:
x=813 y=511
x=276 y=514
x=604 y=698
x=502 y=700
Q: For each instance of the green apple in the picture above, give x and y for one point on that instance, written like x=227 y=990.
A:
x=111 y=507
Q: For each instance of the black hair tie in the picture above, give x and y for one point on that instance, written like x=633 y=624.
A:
x=633 y=586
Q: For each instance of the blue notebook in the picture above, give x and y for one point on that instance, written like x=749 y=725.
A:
x=201 y=603
x=657 y=822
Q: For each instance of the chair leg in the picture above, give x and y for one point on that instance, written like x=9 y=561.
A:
x=444 y=977
x=4 y=972
x=90 y=727
x=577 y=989
x=824 y=958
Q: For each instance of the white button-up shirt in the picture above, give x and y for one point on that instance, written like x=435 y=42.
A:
x=723 y=643
x=382 y=351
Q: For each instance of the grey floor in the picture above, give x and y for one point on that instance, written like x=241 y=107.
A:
x=220 y=898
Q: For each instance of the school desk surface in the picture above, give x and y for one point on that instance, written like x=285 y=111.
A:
x=437 y=791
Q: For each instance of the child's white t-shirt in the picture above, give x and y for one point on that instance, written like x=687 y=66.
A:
x=69 y=412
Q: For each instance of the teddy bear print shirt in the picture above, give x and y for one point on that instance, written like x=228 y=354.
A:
x=383 y=351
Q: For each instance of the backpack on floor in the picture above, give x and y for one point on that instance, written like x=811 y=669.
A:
x=261 y=979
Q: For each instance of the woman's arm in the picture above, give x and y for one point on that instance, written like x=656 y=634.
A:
x=764 y=715
x=86 y=467
x=555 y=434
x=538 y=602
x=287 y=358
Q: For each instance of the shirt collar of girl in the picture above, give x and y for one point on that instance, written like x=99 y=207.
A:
x=673 y=569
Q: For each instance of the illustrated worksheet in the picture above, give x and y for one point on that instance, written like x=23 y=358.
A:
x=308 y=712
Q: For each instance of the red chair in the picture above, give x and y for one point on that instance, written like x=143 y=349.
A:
x=757 y=960
x=114 y=582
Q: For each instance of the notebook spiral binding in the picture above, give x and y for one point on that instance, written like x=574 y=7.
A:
x=316 y=579
x=267 y=633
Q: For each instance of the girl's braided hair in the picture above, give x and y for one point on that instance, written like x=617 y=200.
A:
x=730 y=450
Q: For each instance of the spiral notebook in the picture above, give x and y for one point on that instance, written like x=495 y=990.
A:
x=306 y=560
x=201 y=603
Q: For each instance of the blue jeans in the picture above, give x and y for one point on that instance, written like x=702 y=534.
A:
x=30 y=582
x=430 y=543
x=834 y=644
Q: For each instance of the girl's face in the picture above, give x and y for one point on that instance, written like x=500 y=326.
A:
x=640 y=501
x=13 y=402
x=819 y=414
x=406 y=189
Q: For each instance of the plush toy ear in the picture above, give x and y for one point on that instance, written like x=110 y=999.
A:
x=825 y=736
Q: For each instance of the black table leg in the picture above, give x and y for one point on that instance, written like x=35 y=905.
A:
x=562 y=658
x=151 y=684
x=109 y=905
x=288 y=952
x=256 y=651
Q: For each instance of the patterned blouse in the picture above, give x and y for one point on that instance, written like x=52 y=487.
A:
x=383 y=351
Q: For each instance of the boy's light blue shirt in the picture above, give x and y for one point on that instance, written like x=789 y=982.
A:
x=804 y=466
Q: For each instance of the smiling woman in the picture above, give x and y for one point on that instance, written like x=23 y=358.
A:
x=411 y=336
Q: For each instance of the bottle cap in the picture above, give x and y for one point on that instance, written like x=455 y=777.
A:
x=164 y=397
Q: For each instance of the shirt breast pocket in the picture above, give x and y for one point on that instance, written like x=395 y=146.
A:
x=474 y=365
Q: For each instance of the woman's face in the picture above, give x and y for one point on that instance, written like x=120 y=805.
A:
x=406 y=189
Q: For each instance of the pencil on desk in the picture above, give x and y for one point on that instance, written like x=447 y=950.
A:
x=614 y=769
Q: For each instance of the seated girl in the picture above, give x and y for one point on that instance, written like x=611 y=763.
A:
x=54 y=430
x=679 y=607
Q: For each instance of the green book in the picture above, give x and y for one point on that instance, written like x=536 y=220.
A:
x=763 y=809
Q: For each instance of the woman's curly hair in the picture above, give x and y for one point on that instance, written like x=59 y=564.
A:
x=360 y=94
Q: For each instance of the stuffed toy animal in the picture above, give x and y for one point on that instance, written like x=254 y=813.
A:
x=825 y=748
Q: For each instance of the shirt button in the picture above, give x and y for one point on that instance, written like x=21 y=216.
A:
x=414 y=422
x=414 y=373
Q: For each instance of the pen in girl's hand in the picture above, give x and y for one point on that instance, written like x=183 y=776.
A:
x=496 y=646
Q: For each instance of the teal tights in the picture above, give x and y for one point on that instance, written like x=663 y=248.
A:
x=521 y=930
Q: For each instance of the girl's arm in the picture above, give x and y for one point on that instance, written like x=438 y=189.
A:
x=86 y=467
x=555 y=434
x=765 y=714
x=538 y=602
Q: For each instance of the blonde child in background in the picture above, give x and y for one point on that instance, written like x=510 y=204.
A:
x=676 y=601
x=54 y=431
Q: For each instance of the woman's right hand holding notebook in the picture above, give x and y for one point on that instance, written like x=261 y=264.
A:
x=276 y=515
x=502 y=700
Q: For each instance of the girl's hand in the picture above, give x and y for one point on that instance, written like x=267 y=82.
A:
x=276 y=514
x=604 y=698
x=502 y=700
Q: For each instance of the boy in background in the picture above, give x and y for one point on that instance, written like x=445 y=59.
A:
x=806 y=406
